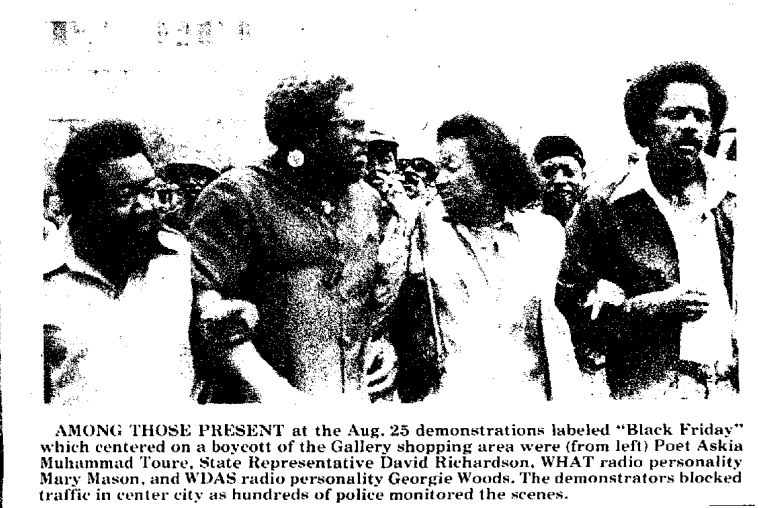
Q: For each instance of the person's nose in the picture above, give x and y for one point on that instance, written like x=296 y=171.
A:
x=689 y=122
x=561 y=178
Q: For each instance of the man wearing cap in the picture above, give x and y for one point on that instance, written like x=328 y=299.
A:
x=296 y=262
x=648 y=272
x=381 y=153
x=561 y=169
x=382 y=173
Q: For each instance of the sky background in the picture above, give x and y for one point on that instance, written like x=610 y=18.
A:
x=537 y=69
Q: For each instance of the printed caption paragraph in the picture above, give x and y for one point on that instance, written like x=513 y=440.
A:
x=212 y=462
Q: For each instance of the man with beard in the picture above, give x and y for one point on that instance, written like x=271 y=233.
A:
x=294 y=267
x=117 y=312
x=561 y=167
x=648 y=272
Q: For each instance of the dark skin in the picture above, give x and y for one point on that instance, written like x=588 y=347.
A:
x=663 y=165
x=679 y=131
x=117 y=232
x=563 y=179
x=331 y=163
x=325 y=171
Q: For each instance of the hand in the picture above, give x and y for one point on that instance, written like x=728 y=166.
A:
x=678 y=302
x=379 y=379
x=216 y=311
x=594 y=361
x=605 y=292
x=390 y=187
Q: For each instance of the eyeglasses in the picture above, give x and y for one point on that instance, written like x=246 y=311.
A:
x=129 y=195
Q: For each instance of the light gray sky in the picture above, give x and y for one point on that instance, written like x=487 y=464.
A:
x=536 y=69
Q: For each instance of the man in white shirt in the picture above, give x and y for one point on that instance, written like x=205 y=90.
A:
x=649 y=271
x=116 y=313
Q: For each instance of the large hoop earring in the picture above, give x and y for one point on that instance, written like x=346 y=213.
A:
x=295 y=158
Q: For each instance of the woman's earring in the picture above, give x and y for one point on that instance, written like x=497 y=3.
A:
x=295 y=158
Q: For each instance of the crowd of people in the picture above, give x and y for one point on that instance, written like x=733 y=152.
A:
x=335 y=269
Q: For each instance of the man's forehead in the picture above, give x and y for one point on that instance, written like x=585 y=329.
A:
x=128 y=170
x=685 y=95
x=453 y=145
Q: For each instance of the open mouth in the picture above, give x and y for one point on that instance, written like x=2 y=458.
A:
x=688 y=145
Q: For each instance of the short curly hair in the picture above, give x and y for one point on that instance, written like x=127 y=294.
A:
x=298 y=112
x=646 y=94
x=86 y=153
x=498 y=161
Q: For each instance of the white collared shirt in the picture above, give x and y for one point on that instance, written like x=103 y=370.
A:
x=709 y=339
x=108 y=347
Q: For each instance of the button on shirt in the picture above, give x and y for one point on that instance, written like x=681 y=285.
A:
x=108 y=347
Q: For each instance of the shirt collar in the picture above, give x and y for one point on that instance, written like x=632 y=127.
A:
x=76 y=264
x=716 y=187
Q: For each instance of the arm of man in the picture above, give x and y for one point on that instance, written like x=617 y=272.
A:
x=594 y=305
x=678 y=302
x=223 y=237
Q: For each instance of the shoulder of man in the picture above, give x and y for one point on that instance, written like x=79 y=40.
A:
x=598 y=212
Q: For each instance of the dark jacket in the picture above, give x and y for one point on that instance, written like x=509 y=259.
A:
x=627 y=241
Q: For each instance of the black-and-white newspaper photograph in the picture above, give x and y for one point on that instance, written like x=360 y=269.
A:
x=349 y=253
